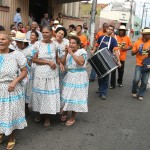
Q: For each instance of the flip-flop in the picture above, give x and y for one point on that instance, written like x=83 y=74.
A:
x=70 y=123
x=1 y=138
x=63 y=118
x=11 y=145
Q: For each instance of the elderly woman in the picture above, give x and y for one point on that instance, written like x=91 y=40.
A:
x=75 y=85
x=46 y=92
x=61 y=44
x=12 y=102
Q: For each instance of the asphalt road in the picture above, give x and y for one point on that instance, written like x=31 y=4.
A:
x=118 y=123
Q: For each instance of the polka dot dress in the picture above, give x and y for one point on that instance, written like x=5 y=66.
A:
x=46 y=91
x=12 y=104
x=75 y=85
x=61 y=52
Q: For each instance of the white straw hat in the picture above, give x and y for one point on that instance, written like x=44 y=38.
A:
x=145 y=31
x=20 y=37
x=122 y=27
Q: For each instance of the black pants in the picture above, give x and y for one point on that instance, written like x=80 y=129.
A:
x=120 y=75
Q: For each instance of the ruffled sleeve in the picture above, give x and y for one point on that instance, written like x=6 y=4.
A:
x=21 y=59
x=82 y=52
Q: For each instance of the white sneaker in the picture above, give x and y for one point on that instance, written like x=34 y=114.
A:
x=140 y=98
x=134 y=95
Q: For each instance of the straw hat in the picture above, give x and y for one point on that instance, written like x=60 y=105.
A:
x=72 y=34
x=122 y=27
x=145 y=31
x=20 y=37
x=56 y=22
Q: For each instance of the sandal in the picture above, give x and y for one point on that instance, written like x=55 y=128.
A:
x=70 y=123
x=47 y=123
x=11 y=145
x=37 y=118
x=63 y=118
x=1 y=138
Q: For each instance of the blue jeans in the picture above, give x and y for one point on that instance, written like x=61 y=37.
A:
x=93 y=74
x=142 y=76
x=103 y=85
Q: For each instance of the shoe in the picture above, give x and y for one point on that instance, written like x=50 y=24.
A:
x=11 y=145
x=91 y=80
x=1 y=138
x=63 y=118
x=37 y=118
x=120 y=85
x=70 y=123
x=140 y=98
x=111 y=87
x=134 y=95
x=103 y=97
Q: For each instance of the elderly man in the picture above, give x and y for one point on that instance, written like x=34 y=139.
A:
x=141 y=49
x=34 y=26
x=45 y=21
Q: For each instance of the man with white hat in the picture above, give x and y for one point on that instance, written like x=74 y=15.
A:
x=124 y=44
x=141 y=49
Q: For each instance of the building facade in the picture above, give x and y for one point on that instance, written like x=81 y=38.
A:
x=37 y=8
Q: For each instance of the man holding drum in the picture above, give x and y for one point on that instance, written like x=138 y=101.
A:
x=106 y=41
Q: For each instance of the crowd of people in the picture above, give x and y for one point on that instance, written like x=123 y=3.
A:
x=45 y=68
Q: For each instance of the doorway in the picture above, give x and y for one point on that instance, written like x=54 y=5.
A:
x=38 y=8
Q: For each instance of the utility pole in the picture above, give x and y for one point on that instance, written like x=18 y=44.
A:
x=92 y=21
x=131 y=13
x=143 y=15
x=146 y=16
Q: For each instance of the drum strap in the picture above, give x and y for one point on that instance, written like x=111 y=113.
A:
x=108 y=42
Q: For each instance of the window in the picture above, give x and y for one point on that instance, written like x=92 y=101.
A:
x=0 y=2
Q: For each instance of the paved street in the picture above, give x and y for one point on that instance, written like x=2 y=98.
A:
x=118 y=123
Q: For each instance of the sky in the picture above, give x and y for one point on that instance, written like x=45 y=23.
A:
x=139 y=8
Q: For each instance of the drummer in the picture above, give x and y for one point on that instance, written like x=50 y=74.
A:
x=106 y=41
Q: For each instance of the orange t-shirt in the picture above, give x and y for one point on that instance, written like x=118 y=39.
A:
x=83 y=40
x=100 y=33
x=140 y=57
x=123 y=42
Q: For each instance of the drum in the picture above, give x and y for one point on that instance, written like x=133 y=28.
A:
x=103 y=62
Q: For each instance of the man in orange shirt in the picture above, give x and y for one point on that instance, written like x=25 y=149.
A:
x=124 y=44
x=141 y=49
x=82 y=37
x=102 y=32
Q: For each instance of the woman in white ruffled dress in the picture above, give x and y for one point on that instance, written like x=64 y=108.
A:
x=61 y=43
x=75 y=84
x=12 y=101
x=46 y=90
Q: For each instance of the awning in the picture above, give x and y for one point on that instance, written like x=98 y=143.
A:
x=70 y=1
